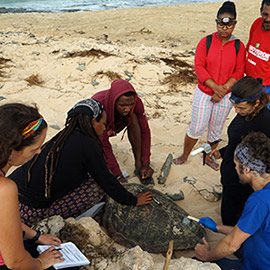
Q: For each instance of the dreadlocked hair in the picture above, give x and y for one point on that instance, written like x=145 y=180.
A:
x=81 y=123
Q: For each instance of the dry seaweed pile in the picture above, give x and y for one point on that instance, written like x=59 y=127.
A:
x=34 y=79
x=183 y=72
x=3 y=64
x=111 y=75
x=89 y=53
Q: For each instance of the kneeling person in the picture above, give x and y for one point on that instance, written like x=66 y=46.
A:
x=125 y=110
x=253 y=228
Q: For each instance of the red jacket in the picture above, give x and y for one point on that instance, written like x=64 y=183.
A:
x=220 y=64
x=258 y=48
x=108 y=99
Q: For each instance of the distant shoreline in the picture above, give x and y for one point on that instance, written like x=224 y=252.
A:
x=5 y=10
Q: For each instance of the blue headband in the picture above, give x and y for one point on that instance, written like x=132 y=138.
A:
x=236 y=100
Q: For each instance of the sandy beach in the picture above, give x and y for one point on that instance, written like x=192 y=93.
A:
x=57 y=59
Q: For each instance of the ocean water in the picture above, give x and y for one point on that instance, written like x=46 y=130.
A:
x=82 y=5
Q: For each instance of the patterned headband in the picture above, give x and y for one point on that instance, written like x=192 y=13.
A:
x=32 y=127
x=242 y=153
x=88 y=107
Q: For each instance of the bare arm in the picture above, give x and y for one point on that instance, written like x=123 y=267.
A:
x=227 y=246
x=11 y=241
x=224 y=229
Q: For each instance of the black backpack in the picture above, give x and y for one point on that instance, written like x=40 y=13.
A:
x=209 y=41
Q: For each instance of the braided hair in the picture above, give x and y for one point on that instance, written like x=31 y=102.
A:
x=79 y=118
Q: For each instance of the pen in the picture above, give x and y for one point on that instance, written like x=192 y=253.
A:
x=156 y=201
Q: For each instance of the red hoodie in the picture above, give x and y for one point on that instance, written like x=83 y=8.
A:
x=108 y=99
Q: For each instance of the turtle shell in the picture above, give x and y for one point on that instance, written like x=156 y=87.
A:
x=151 y=226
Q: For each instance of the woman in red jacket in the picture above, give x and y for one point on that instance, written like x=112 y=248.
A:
x=219 y=63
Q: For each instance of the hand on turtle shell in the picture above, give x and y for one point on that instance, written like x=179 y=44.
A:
x=208 y=223
x=144 y=198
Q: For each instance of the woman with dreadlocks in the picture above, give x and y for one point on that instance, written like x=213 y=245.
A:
x=70 y=175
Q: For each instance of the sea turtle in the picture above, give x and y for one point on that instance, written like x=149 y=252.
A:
x=151 y=226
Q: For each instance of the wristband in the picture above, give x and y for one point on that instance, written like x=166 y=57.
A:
x=41 y=263
x=36 y=237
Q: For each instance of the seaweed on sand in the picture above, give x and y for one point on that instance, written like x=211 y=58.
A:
x=180 y=77
x=176 y=63
x=3 y=64
x=183 y=74
x=109 y=74
x=34 y=79
x=88 y=53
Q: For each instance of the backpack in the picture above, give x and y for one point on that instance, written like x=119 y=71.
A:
x=209 y=41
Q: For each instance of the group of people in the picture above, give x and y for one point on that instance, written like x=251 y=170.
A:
x=77 y=168
x=220 y=64
x=220 y=60
x=65 y=176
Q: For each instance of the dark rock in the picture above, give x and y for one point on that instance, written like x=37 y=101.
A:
x=165 y=169
x=55 y=127
x=95 y=83
x=176 y=196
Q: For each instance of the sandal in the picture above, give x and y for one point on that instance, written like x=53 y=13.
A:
x=178 y=162
x=213 y=165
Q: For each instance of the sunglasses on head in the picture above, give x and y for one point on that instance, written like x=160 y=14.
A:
x=236 y=100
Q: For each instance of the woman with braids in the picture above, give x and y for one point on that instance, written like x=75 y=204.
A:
x=70 y=175
x=250 y=104
x=22 y=132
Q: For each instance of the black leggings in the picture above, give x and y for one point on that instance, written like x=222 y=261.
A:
x=233 y=202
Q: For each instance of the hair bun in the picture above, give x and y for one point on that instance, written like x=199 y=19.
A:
x=227 y=7
x=229 y=4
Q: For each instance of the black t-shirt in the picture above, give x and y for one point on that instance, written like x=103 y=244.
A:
x=237 y=130
x=80 y=157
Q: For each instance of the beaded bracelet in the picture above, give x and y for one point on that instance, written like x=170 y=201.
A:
x=41 y=263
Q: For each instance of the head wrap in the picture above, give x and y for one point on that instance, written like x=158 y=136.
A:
x=242 y=153
x=88 y=106
x=32 y=127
